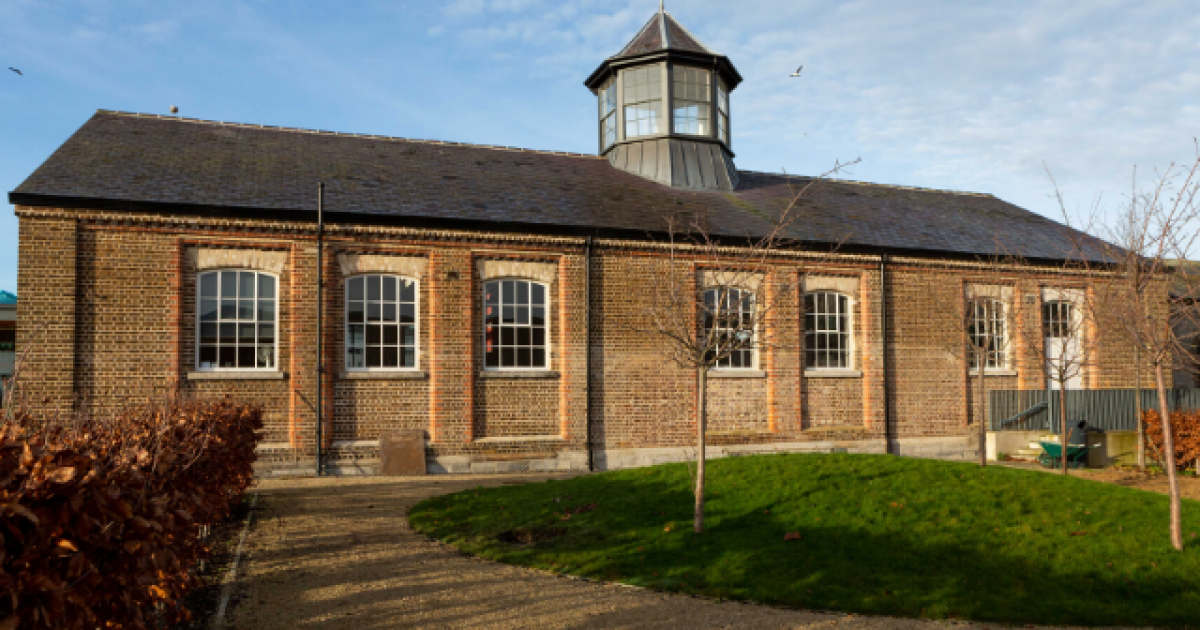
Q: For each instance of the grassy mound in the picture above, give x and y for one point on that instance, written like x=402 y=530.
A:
x=878 y=535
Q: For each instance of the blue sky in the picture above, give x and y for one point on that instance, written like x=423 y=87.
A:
x=966 y=96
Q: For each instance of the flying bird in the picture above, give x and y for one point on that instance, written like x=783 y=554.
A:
x=174 y=110
x=797 y=72
x=17 y=71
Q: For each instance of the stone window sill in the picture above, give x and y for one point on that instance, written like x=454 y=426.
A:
x=832 y=373
x=518 y=374
x=991 y=373
x=737 y=374
x=236 y=376
x=519 y=438
x=397 y=375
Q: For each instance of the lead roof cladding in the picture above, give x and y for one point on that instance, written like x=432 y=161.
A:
x=662 y=32
x=188 y=166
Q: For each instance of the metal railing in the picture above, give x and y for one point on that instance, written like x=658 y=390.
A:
x=1103 y=409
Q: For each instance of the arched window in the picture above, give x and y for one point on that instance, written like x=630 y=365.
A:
x=729 y=324
x=515 y=325
x=986 y=332
x=381 y=323
x=236 y=321
x=826 y=330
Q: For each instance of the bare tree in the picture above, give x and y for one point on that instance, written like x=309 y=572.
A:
x=715 y=295
x=986 y=324
x=1063 y=339
x=1157 y=226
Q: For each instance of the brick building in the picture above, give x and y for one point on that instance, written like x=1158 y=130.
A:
x=161 y=252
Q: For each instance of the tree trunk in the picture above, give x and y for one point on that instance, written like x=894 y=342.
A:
x=1062 y=421
x=1141 y=427
x=701 y=425
x=983 y=406
x=1169 y=457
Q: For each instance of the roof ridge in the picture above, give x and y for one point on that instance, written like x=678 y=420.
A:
x=689 y=34
x=323 y=132
x=875 y=184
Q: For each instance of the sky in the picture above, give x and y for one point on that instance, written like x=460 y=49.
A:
x=977 y=96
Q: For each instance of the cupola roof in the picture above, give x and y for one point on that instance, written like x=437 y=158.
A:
x=663 y=32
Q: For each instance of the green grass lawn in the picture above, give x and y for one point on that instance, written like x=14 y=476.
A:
x=880 y=535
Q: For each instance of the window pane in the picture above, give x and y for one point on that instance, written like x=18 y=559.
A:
x=539 y=316
x=522 y=293
x=374 y=357
x=208 y=310
x=266 y=287
x=492 y=357
x=524 y=337
x=354 y=312
x=228 y=334
x=208 y=356
x=354 y=289
x=229 y=284
x=391 y=335
x=355 y=358
x=374 y=334
x=389 y=289
x=374 y=287
x=523 y=315
x=408 y=291
x=374 y=312
x=208 y=334
x=266 y=333
x=523 y=357
x=539 y=295
x=408 y=313
x=247 y=356
x=538 y=336
x=355 y=336
x=510 y=315
x=389 y=312
x=508 y=292
x=408 y=335
x=508 y=336
x=246 y=309
x=266 y=356
x=228 y=356
x=508 y=357
x=208 y=285
x=408 y=357
x=538 y=358
x=391 y=357
x=245 y=333
x=246 y=284
x=228 y=309
x=266 y=310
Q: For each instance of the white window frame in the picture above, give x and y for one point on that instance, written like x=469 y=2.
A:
x=851 y=343
x=753 y=347
x=610 y=116
x=549 y=342
x=1002 y=366
x=704 y=107
x=346 y=323
x=275 y=323
x=661 y=117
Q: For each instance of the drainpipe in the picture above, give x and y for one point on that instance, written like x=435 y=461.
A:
x=587 y=346
x=883 y=328
x=320 y=309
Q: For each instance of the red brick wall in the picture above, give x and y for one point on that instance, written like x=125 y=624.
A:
x=116 y=295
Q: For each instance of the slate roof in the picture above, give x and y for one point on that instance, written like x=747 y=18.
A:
x=662 y=32
x=148 y=162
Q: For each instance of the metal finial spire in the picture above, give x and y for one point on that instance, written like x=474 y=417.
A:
x=660 y=6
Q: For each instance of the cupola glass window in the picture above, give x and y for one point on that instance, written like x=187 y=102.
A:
x=722 y=111
x=608 y=113
x=643 y=100
x=691 y=100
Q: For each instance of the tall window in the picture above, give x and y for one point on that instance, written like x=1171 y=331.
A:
x=1057 y=319
x=514 y=324
x=236 y=320
x=381 y=323
x=690 y=100
x=722 y=111
x=986 y=333
x=826 y=330
x=643 y=100
x=729 y=321
x=608 y=113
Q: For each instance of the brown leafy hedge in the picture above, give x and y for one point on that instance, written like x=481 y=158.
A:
x=1185 y=435
x=100 y=517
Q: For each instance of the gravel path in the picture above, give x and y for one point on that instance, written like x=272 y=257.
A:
x=338 y=553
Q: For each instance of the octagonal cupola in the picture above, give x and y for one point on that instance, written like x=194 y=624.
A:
x=664 y=108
